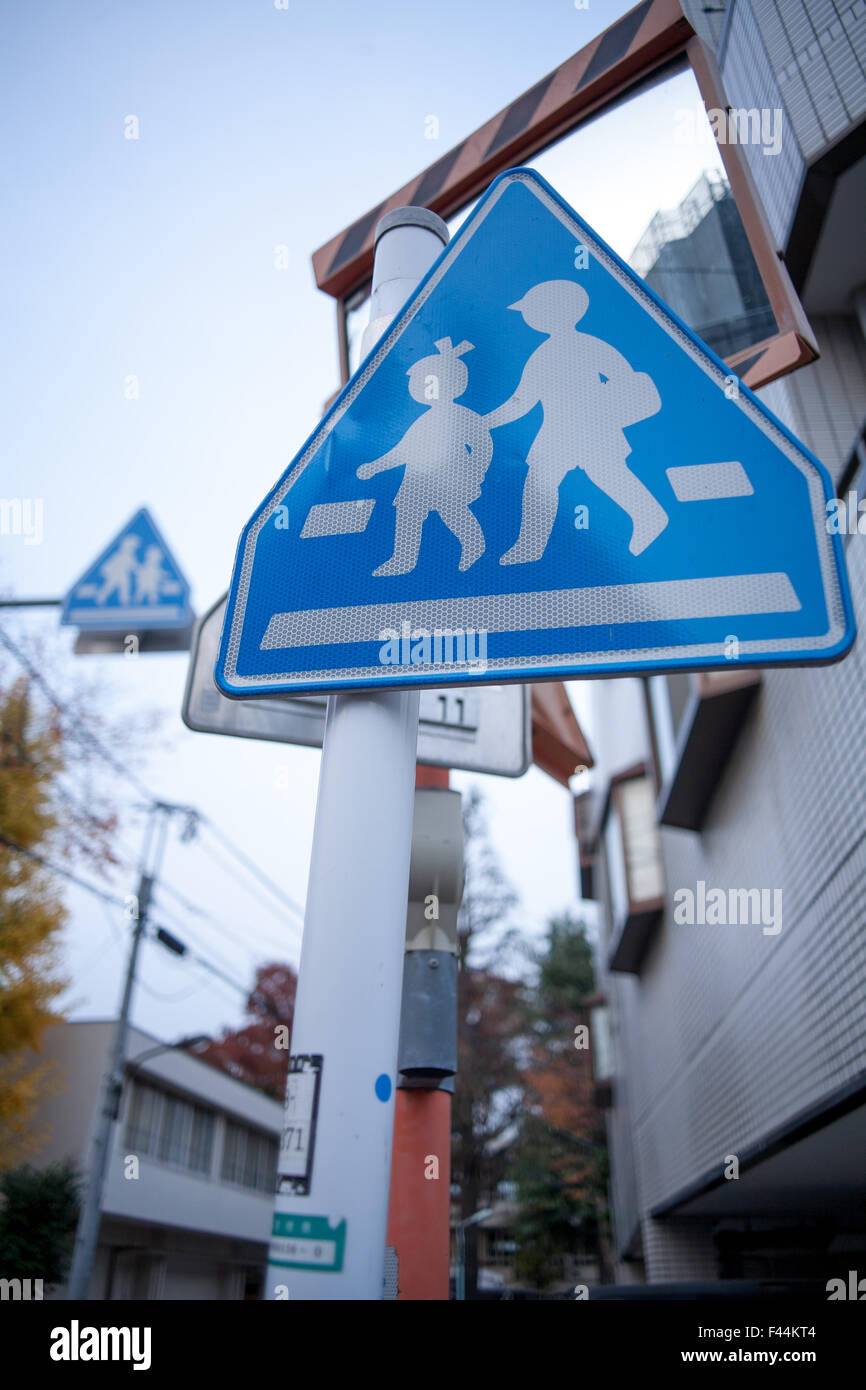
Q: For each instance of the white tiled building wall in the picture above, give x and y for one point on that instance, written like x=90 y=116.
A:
x=729 y=1032
x=743 y=1029
x=749 y=81
x=818 y=51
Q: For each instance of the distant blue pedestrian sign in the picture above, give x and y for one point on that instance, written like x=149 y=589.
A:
x=539 y=471
x=135 y=584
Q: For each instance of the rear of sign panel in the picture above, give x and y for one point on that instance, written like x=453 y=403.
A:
x=468 y=730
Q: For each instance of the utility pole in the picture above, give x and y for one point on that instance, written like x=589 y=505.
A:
x=87 y=1232
x=331 y=1212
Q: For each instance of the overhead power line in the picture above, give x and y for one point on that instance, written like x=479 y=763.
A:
x=115 y=901
x=91 y=740
x=83 y=733
x=217 y=973
x=182 y=929
x=216 y=922
x=64 y=873
x=252 y=867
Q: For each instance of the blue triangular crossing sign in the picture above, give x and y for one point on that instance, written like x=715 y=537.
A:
x=539 y=471
x=134 y=584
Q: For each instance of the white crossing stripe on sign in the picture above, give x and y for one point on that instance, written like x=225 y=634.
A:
x=705 y=482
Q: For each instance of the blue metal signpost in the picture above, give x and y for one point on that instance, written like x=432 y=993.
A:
x=538 y=471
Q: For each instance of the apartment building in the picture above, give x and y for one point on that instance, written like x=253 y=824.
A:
x=737 y=1119
x=188 y=1198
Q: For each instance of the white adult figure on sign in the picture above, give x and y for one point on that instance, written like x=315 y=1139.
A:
x=444 y=454
x=118 y=570
x=588 y=393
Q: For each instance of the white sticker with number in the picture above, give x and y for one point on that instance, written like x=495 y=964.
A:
x=299 y=1126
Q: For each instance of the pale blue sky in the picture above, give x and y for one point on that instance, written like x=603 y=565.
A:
x=155 y=257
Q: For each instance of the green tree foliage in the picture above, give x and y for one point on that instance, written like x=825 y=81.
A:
x=38 y=1216
x=566 y=973
x=560 y=1159
x=555 y=1214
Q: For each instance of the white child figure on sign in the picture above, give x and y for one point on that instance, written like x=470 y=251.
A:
x=445 y=455
x=148 y=580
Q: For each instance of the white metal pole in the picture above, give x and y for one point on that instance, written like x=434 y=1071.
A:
x=331 y=1213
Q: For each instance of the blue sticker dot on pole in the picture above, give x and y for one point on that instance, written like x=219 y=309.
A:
x=383 y=1086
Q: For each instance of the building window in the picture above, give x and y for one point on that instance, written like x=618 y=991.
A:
x=141 y=1125
x=249 y=1158
x=669 y=697
x=633 y=861
x=640 y=839
x=696 y=721
x=173 y=1136
x=616 y=874
x=233 y=1150
x=501 y=1247
x=201 y=1140
x=603 y=1057
x=169 y=1128
x=602 y=1043
x=632 y=850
